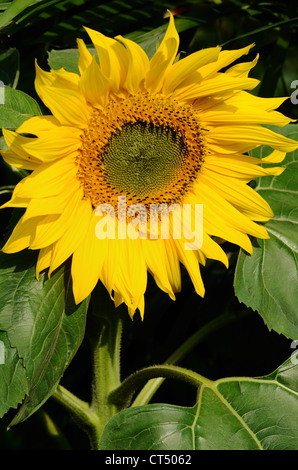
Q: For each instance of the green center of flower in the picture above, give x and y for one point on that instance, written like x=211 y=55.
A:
x=141 y=159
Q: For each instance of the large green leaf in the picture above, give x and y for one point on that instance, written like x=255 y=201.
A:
x=237 y=413
x=43 y=330
x=267 y=280
x=17 y=108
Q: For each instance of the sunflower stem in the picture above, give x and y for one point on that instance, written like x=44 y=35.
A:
x=79 y=410
x=106 y=365
x=123 y=394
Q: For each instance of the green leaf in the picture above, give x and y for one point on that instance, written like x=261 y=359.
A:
x=254 y=32
x=15 y=8
x=13 y=382
x=17 y=108
x=4 y=5
x=237 y=413
x=66 y=58
x=267 y=280
x=43 y=327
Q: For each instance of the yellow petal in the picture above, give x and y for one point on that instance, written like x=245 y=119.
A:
x=53 y=226
x=240 y=195
x=244 y=138
x=140 y=307
x=110 y=264
x=157 y=263
x=49 y=179
x=225 y=58
x=243 y=98
x=242 y=167
x=189 y=259
x=64 y=247
x=163 y=58
x=63 y=97
x=221 y=84
x=240 y=99
x=16 y=202
x=51 y=205
x=131 y=278
x=172 y=264
x=242 y=69
x=44 y=259
x=138 y=64
x=51 y=145
x=212 y=250
x=65 y=79
x=217 y=207
x=47 y=148
x=227 y=113
x=243 y=107
x=25 y=162
x=21 y=236
x=182 y=75
x=87 y=262
x=215 y=225
x=113 y=57
x=95 y=85
x=39 y=124
x=209 y=248
x=85 y=58
x=275 y=157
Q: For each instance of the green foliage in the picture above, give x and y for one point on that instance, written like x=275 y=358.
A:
x=44 y=338
x=267 y=280
x=238 y=413
x=17 y=108
x=41 y=328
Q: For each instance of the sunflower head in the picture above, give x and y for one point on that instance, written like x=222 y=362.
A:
x=163 y=137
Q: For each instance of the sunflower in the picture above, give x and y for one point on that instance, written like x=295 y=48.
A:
x=156 y=132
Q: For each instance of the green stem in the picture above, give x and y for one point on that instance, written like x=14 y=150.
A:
x=104 y=333
x=153 y=385
x=261 y=30
x=79 y=410
x=123 y=394
x=106 y=369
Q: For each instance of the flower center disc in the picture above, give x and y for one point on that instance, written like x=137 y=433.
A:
x=141 y=159
x=147 y=148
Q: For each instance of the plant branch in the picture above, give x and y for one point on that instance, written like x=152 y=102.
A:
x=122 y=395
x=79 y=410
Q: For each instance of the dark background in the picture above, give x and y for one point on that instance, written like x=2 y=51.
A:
x=244 y=346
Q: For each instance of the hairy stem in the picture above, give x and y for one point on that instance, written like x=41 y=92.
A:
x=123 y=394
